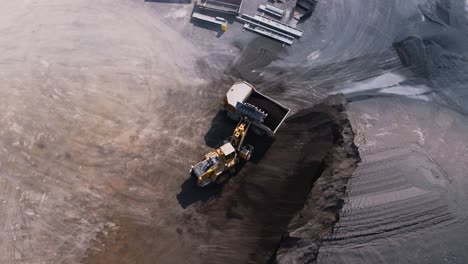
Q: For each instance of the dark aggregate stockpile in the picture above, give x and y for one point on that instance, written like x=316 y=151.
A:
x=248 y=220
x=321 y=211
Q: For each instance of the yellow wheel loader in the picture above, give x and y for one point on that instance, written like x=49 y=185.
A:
x=222 y=162
x=225 y=158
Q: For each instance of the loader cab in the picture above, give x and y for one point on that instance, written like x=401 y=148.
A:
x=228 y=151
x=202 y=167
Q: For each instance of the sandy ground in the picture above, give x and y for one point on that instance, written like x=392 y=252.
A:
x=105 y=104
x=87 y=90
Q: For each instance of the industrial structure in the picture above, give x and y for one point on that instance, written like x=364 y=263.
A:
x=231 y=7
x=271 y=10
x=203 y=11
x=216 y=12
x=271 y=28
x=209 y=19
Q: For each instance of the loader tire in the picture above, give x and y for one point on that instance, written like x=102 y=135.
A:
x=222 y=179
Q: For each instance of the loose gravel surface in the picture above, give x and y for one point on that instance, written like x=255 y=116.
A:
x=106 y=104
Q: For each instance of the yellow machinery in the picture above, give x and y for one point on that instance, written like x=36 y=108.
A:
x=224 y=27
x=241 y=103
x=224 y=159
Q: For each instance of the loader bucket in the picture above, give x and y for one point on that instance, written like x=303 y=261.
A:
x=252 y=112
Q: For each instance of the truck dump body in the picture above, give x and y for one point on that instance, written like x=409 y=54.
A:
x=244 y=93
x=276 y=113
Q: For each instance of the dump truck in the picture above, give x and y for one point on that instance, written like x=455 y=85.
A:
x=219 y=164
x=243 y=92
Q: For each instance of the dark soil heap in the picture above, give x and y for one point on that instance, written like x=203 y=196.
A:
x=309 y=163
x=277 y=208
x=316 y=220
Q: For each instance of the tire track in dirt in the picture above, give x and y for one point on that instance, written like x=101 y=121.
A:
x=386 y=198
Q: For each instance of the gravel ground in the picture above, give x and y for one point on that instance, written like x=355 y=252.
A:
x=105 y=104
x=408 y=194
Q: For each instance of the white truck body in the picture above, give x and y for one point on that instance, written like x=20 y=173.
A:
x=243 y=92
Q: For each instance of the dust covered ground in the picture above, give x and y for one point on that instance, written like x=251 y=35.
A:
x=106 y=104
